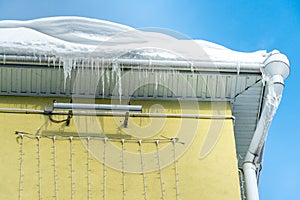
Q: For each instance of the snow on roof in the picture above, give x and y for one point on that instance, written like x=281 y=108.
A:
x=85 y=37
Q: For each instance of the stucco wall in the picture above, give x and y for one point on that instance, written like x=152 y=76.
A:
x=205 y=167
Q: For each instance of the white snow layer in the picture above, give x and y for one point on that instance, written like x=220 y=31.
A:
x=75 y=37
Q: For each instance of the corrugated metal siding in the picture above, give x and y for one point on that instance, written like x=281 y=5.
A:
x=246 y=109
x=134 y=84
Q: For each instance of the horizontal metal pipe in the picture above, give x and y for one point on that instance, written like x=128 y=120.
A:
x=118 y=114
x=21 y=111
x=81 y=106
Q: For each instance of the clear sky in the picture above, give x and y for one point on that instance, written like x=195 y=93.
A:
x=241 y=25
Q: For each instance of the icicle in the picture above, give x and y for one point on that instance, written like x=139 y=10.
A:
x=139 y=71
x=54 y=168
x=98 y=66
x=123 y=170
x=59 y=63
x=156 y=80
x=48 y=60
x=165 y=77
x=238 y=68
x=39 y=167
x=192 y=67
x=142 y=169
x=53 y=61
x=67 y=64
x=74 y=65
x=117 y=70
x=80 y=64
x=103 y=77
x=84 y=64
x=237 y=79
x=160 y=170
x=104 y=167
x=107 y=76
x=88 y=168
x=21 y=167
x=150 y=65
x=72 y=167
x=174 y=140
x=92 y=64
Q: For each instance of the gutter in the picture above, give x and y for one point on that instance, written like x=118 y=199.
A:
x=274 y=72
x=180 y=65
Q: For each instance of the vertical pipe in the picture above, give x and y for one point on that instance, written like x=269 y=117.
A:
x=274 y=90
x=250 y=181
x=275 y=71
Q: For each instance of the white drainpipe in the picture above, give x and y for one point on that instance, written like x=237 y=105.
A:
x=275 y=71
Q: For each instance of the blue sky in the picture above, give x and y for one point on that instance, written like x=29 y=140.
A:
x=241 y=25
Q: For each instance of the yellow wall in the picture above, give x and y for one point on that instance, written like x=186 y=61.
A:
x=205 y=153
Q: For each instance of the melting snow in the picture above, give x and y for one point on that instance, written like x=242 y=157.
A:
x=81 y=37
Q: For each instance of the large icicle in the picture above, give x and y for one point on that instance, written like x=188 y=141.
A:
x=117 y=70
x=67 y=66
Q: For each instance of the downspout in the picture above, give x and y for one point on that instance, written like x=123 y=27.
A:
x=274 y=72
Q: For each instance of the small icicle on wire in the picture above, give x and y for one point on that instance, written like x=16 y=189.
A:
x=88 y=168
x=123 y=169
x=72 y=167
x=160 y=170
x=39 y=167
x=174 y=140
x=142 y=169
x=104 y=167
x=21 y=166
x=55 y=168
